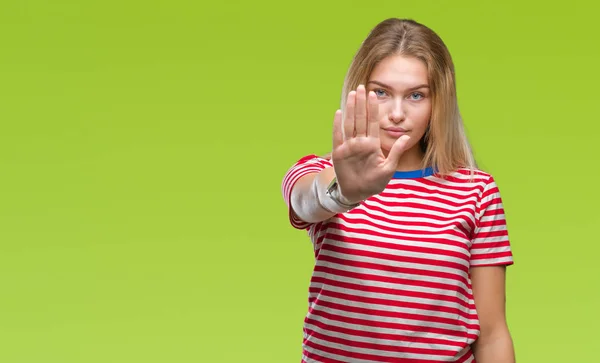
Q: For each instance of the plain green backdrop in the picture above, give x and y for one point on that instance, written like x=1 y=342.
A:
x=143 y=144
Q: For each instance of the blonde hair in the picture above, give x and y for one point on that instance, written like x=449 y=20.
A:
x=445 y=144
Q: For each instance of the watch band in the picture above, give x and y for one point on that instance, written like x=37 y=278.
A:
x=333 y=193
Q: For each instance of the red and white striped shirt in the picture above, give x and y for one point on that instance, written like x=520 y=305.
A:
x=391 y=278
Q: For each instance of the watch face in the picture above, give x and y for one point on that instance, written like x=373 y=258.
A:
x=332 y=185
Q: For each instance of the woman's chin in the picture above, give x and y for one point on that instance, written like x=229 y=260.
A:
x=385 y=149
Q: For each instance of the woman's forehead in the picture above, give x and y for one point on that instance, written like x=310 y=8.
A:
x=400 y=72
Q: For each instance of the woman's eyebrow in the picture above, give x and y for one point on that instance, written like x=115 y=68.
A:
x=387 y=86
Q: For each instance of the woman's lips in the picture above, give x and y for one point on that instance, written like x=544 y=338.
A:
x=395 y=132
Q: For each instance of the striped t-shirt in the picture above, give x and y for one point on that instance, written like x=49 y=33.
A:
x=391 y=277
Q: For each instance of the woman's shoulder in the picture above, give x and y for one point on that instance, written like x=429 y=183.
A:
x=476 y=172
x=470 y=176
x=308 y=159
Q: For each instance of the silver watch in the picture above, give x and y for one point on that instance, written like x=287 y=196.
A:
x=333 y=192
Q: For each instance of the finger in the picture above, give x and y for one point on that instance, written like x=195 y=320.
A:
x=373 y=116
x=349 y=116
x=396 y=151
x=338 y=131
x=360 y=115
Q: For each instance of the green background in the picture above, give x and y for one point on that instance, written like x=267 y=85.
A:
x=143 y=144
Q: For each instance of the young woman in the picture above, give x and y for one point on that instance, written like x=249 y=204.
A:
x=409 y=236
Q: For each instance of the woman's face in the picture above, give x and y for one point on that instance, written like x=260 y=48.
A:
x=402 y=89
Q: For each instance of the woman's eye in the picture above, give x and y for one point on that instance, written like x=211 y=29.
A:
x=416 y=96
x=379 y=92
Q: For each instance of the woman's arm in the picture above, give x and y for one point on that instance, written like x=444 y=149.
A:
x=305 y=196
x=494 y=344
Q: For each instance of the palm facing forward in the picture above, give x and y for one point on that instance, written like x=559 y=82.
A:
x=361 y=168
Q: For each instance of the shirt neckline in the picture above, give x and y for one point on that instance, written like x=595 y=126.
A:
x=413 y=174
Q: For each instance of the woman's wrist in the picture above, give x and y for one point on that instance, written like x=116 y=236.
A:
x=321 y=187
x=329 y=196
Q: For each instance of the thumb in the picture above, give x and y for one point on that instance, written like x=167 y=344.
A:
x=396 y=151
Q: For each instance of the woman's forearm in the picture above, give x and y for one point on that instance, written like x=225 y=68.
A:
x=306 y=194
x=494 y=349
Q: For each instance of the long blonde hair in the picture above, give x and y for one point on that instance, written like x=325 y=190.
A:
x=445 y=144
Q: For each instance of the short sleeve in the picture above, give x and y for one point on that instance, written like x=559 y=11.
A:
x=490 y=244
x=306 y=165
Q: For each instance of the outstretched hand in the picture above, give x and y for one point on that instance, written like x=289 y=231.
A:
x=361 y=168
